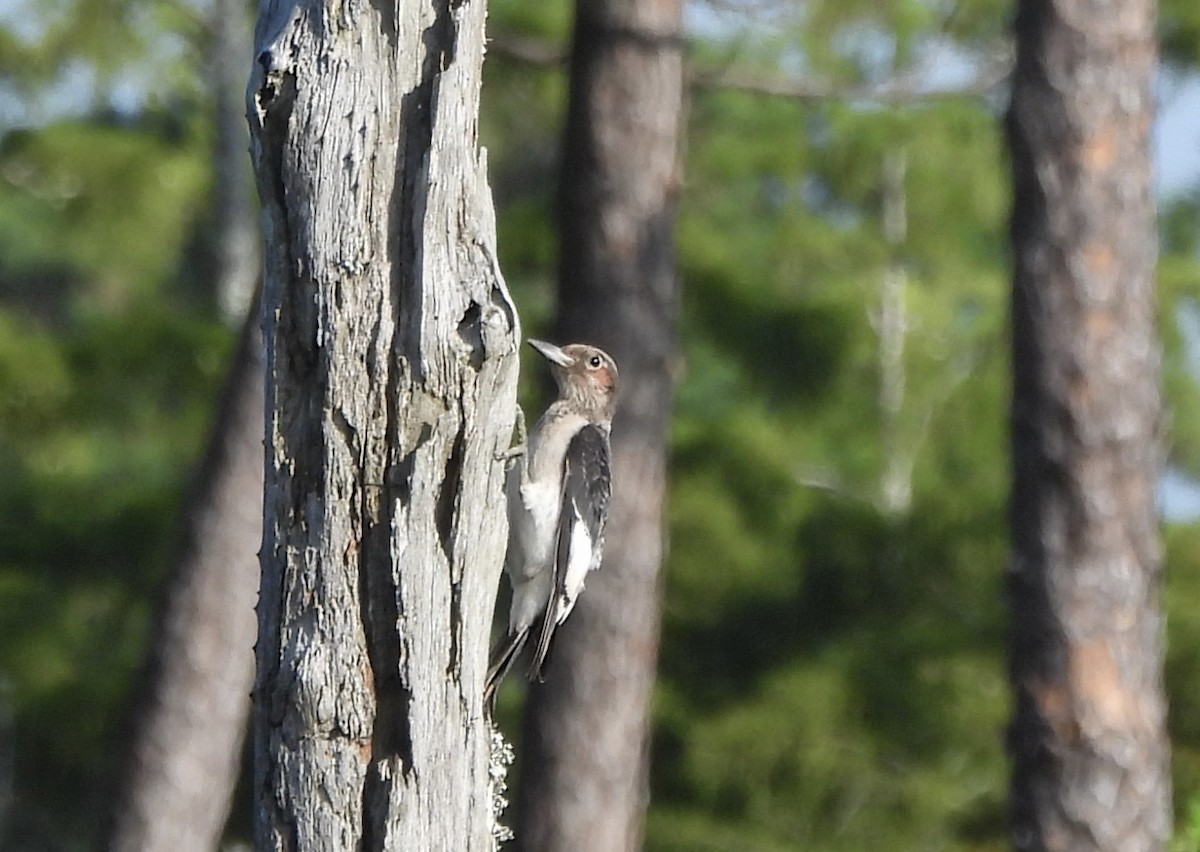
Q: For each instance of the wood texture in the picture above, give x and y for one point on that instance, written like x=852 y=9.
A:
x=585 y=752
x=1088 y=740
x=392 y=366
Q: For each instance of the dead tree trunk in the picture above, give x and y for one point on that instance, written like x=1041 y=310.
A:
x=1088 y=740
x=585 y=753
x=391 y=387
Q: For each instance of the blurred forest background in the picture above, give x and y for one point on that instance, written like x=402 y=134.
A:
x=832 y=672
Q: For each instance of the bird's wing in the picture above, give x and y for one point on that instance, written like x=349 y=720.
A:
x=586 y=491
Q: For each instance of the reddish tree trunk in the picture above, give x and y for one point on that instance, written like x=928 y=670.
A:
x=1088 y=741
x=584 y=782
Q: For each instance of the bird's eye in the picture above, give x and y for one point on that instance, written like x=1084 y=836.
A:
x=594 y=361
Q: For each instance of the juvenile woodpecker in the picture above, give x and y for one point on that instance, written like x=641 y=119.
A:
x=558 y=495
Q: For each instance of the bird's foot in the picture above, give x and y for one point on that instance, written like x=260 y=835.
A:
x=511 y=453
x=518 y=449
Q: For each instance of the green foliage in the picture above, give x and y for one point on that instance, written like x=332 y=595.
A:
x=108 y=375
x=832 y=666
x=109 y=203
x=91 y=475
x=832 y=671
x=110 y=412
x=1187 y=829
x=1183 y=657
x=1180 y=329
x=1179 y=26
x=550 y=19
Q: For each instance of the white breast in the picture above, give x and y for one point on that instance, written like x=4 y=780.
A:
x=537 y=519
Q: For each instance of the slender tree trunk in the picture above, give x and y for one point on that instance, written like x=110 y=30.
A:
x=236 y=240
x=187 y=748
x=584 y=777
x=391 y=387
x=192 y=711
x=891 y=325
x=1088 y=740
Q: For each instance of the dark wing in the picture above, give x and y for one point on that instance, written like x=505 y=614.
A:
x=586 y=492
x=587 y=489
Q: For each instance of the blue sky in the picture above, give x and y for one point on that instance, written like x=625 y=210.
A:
x=1177 y=134
x=1177 y=161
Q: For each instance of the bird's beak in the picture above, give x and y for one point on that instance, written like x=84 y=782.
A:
x=552 y=353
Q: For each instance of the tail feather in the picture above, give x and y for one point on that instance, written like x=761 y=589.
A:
x=503 y=656
x=549 y=624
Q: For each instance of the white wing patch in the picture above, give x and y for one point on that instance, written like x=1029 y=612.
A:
x=579 y=562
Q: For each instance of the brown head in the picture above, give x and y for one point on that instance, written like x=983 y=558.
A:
x=587 y=377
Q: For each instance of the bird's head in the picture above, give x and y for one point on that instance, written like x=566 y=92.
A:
x=586 y=376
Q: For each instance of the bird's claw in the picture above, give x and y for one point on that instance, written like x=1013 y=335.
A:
x=511 y=453
x=518 y=449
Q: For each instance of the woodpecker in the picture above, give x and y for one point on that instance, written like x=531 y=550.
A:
x=558 y=494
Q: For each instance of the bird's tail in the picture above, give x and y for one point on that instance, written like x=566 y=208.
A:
x=503 y=657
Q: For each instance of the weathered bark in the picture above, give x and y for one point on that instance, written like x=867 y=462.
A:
x=1088 y=740
x=187 y=747
x=391 y=387
x=584 y=777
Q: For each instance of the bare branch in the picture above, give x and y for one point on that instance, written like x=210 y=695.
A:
x=533 y=51
x=898 y=90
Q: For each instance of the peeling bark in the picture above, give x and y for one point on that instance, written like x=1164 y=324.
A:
x=1088 y=739
x=391 y=388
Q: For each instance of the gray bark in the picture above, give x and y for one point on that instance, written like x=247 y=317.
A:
x=584 y=774
x=1088 y=739
x=391 y=388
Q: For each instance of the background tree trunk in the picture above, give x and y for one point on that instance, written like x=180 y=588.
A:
x=236 y=239
x=584 y=777
x=193 y=708
x=1088 y=740
x=391 y=387
x=184 y=761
